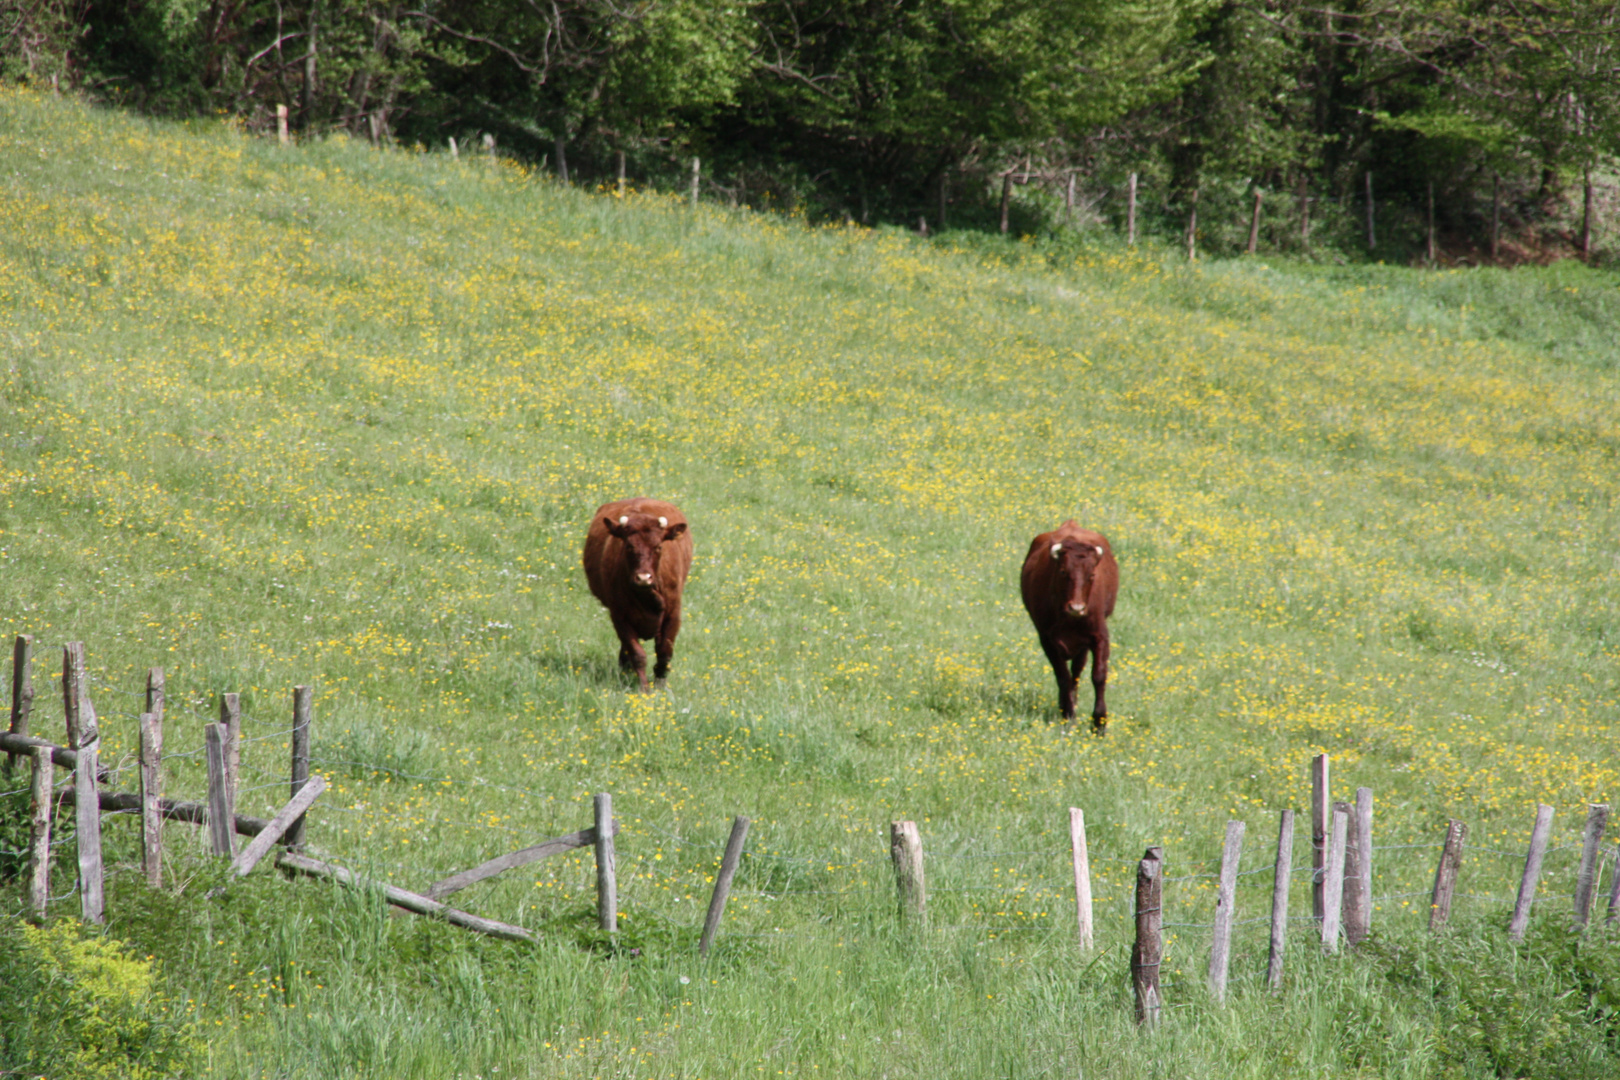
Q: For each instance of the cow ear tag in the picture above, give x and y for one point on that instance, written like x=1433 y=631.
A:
x=1099 y=551
x=663 y=523
x=1057 y=549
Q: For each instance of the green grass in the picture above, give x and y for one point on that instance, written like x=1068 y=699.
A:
x=339 y=417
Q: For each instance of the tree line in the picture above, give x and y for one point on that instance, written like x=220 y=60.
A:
x=1318 y=124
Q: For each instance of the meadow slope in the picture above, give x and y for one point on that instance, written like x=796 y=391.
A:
x=339 y=417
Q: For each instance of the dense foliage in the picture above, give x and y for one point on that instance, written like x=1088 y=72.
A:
x=1461 y=112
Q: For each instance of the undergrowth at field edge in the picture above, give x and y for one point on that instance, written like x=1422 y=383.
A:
x=338 y=417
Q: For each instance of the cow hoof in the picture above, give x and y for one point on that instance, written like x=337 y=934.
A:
x=1099 y=725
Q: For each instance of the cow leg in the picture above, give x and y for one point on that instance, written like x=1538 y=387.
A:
x=665 y=646
x=1065 y=681
x=632 y=657
x=1099 y=684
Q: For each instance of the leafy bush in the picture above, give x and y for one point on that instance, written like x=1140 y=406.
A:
x=80 y=1005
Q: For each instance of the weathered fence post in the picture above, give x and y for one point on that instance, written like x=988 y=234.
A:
x=1148 y=950
x=39 y=847
x=22 y=688
x=1130 y=210
x=151 y=797
x=1445 y=875
x=607 y=882
x=1279 y=899
x=1321 y=822
x=1254 y=224
x=85 y=738
x=1220 y=953
x=621 y=174
x=1540 y=833
x=1068 y=202
x=1358 y=870
x=221 y=823
x=1597 y=816
x=696 y=177
x=281 y=125
x=156 y=692
x=1304 y=211
x=1614 y=892
x=1192 y=228
x=1333 y=884
x=1082 y=876
x=230 y=723
x=905 y=849
x=722 y=882
x=562 y=158
x=455 y=151
x=1006 y=200
x=303 y=720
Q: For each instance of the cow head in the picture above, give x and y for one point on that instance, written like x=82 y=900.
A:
x=1077 y=565
x=643 y=536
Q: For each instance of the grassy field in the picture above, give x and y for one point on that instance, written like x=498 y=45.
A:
x=339 y=417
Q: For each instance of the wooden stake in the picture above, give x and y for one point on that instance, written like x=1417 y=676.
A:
x=562 y=158
x=722 y=883
x=1614 y=892
x=607 y=885
x=219 y=815
x=1321 y=821
x=80 y=720
x=1006 y=200
x=1068 y=202
x=1445 y=875
x=39 y=848
x=696 y=175
x=455 y=151
x=905 y=849
x=281 y=125
x=1333 y=884
x=1540 y=833
x=1304 y=212
x=84 y=738
x=1192 y=228
x=621 y=174
x=1372 y=234
x=260 y=845
x=22 y=688
x=230 y=722
x=1130 y=210
x=155 y=692
x=1220 y=953
x=303 y=721
x=1279 y=899
x=1254 y=224
x=1148 y=951
x=152 y=797
x=1082 y=876
x=1597 y=816
x=1358 y=870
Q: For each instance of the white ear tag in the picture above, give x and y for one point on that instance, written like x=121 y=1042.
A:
x=1057 y=549
x=1099 y=551
x=625 y=520
x=663 y=523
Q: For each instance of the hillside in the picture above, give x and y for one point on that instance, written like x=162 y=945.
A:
x=339 y=417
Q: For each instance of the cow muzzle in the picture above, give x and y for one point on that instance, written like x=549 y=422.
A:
x=644 y=580
x=1077 y=609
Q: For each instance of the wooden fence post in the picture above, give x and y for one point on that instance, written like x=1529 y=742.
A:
x=722 y=882
x=1597 y=816
x=561 y=144
x=1445 y=875
x=1130 y=211
x=151 y=797
x=302 y=722
x=1082 y=876
x=1372 y=234
x=1279 y=899
x=1254 y=224
x=1358 y=870
x=1333 y=885
x=1321 y=822
x=1540 y=833
x=1304 y=212
x=607 y=884
x=281 y=125
x=84 y=737
x=455 y=151
x=1148 y=951
x=905 y=849
x=22 y=688
x=621 y=174
x=1220 y=953
x=39 y=848
x=156 y=692
x=1068 y=202
x=696 y=177
x=220 y=820
x=1192 y=228
x=230 y=723
x=1006 y=200
x=1614 y=892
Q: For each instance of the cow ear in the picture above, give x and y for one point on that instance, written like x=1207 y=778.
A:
x=613 y=527
x=675 y=530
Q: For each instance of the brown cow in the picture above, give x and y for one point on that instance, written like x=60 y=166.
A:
x=1069 y=583
x=637 y=554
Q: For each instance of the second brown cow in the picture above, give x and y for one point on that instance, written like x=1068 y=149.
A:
x=1069 y=583
x=637 y=555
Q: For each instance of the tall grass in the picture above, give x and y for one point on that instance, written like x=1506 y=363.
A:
x=339 y=417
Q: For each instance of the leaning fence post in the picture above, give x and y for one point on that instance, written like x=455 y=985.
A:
x=39 y=848
x=221 y=823
x=1220 y=953
x=1082 y=875
x=1358 y=870
x=302 y=721
x=22 y=688
x=1148 y=951
x=1597 y=816
x=905 y=849
x=1445 y=875
x=1279 y=899
x=85 y=738
x=722 y=882
x=607 y=885
x=151 y=796
x=1321 y=822
x=1540 y=833
x=230 y=722
x=1333 y=884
